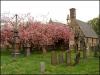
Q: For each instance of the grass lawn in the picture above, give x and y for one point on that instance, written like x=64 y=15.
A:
x=31 y=64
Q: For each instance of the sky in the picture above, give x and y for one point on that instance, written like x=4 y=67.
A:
x=56 y=10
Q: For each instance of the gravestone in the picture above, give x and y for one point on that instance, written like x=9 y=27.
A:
x=28 y=49
x=68 y=57
x=61 y=57
x=42 y=67
x=54 y=60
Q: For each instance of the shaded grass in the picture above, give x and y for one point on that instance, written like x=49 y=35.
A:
x=31 y=64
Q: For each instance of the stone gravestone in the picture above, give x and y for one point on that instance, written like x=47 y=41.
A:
x=61 y=57
x=54 y=58
x=28 y=49
x=42 y=67
x=77 y=58
x=68 y=57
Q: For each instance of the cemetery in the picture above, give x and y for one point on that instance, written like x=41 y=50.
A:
x=34 y=47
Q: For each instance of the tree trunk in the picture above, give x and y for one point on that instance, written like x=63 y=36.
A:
x=76 y=47
x=77 y=58
x=83 y=48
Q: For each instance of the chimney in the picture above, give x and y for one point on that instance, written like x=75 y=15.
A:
x=72 y=13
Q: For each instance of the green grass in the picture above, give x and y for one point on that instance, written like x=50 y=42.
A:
x=31 y=64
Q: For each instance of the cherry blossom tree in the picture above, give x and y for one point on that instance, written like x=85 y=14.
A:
x=39 y=34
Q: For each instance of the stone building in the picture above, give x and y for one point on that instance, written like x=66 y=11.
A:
x=86 y=36
x=83 y=31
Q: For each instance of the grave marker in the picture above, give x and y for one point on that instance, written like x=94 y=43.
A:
x=42 y=67
x=53 y=58
x=61 y=57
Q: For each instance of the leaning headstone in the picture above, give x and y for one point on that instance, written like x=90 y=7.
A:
x=61 y=57
x=54 y=58
x=42 y=67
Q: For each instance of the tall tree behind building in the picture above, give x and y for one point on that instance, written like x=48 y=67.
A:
x=95 y=23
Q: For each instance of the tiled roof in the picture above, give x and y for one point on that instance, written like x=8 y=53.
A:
x=87 y=29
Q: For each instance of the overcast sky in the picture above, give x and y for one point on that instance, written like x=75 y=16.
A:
x=57 y=10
